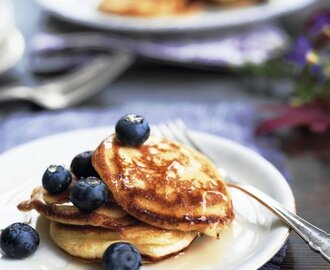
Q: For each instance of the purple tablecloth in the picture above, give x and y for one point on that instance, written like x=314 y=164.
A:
x=218 y=49
x=235 y=121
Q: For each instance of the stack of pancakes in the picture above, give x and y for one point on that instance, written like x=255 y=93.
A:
x=147 y=8
x=167 y=8
x=163 y=195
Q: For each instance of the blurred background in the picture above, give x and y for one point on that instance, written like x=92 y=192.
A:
x=61 y=56
x=207 y=58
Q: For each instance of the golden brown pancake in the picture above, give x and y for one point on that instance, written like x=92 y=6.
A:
x=87 y=235
x=166 y=8
x=165 y=184
x=58 y=208
x=147 y=8
x=89 y=242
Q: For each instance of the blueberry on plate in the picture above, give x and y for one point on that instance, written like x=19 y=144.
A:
x=89 y=194
x=121 y=256
x=56 y=179
x=132 y=130
x=81 y=165
x=19 y=240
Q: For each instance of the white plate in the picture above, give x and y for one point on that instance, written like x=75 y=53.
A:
x=85 y=12
x=255 y=236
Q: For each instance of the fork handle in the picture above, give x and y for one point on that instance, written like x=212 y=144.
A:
x=14 y=93
x=317 y=239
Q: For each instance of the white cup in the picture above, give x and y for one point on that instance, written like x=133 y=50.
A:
x=6 y=19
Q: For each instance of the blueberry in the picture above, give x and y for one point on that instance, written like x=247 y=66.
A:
x=121 y=256
x=81 y=165
x=89 y=194
x=19 y=240
x=132 y=130
x=56 y=179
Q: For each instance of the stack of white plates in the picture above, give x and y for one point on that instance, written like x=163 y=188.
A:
x=11 y=40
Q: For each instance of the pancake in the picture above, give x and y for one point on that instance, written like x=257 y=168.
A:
x=87 y=235
x=145 y=8
x=58 y=208
x=165 y=184
x=166 y=8
x=89 y=243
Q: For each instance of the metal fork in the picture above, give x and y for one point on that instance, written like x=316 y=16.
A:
x=317 y=239
x=74 y=88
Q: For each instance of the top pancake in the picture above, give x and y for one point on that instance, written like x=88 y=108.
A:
x=165 y=184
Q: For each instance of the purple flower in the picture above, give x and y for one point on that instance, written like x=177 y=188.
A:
x=318 y=72
x=317 y=22
x=319 y=63
x=299 y=52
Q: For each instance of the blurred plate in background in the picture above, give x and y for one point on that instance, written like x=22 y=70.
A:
x=85 y=12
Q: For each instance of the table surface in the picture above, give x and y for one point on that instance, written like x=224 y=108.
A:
x=308 y=155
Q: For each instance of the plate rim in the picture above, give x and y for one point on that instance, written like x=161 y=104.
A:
x=264 y=12
x=283 y=236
